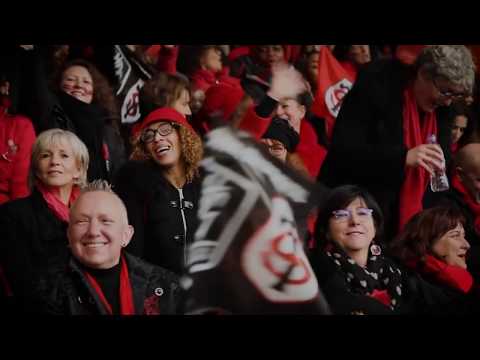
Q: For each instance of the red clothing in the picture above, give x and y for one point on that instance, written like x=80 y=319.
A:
x=238 y=52
x=204 y=79
x=449 y=275
x=309 y=150
x=408 y=53
x=350 y=68
x=295 y=53
x=16 y=140
x=52 y=198
x=416 y=179
x=225 y=98
x=454 y=148
x=254 y=124
x=153 y=51
x=167 y=60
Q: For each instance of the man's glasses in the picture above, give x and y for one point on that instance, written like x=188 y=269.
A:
x=346 y=214
x=149 y=134
x=448 y=94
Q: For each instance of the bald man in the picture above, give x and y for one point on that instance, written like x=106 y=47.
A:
x=465 y=194
x=102 y=278
x=468 y=169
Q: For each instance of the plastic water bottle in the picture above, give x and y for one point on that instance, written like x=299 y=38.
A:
x=439 y=181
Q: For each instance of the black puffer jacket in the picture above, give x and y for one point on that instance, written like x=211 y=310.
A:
x=155 y=291
x=164 y=224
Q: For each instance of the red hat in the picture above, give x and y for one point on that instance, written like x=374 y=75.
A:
x=162 y=114
x=224 y=98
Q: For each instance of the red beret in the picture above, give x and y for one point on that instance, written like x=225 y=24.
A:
x=224 y=98
x=162 y=114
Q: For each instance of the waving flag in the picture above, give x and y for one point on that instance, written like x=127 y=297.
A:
x=131 y=75
x=247 y=257
x=333 y=84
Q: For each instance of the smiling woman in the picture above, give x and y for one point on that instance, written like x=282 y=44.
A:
x=161 y=188
x=433 y=243
x=77 y=98
x=357 y=278
x=32 y=229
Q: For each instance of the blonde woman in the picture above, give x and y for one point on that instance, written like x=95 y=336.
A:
x=32 y=229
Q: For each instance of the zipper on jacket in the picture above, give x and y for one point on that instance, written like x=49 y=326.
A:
x=180 y=193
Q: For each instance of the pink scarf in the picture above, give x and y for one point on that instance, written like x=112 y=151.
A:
x=52 y=197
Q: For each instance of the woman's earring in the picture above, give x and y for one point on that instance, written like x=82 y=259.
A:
x=375 y=250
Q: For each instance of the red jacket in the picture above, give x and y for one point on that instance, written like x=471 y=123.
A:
x=16 y=140
x=204 y=79
x=309 y=150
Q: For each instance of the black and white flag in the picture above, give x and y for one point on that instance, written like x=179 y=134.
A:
x=247 y=257
x=131 y=75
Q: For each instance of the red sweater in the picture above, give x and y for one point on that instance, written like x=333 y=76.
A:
x=16 y=140
x=309 y=150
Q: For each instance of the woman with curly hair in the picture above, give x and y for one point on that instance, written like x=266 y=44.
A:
x=77 y=98
x=161 y=188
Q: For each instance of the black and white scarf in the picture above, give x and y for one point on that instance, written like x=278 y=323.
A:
x=381 y=279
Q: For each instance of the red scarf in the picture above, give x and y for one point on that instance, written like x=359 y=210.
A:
x=52 y=197
x=416 y=178
x=454 y=148
x=381 y=295
x=126 y=296
x=450 y=275
x=473 y=205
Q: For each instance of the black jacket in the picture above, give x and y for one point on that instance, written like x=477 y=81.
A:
x=155 y=211
x=32 y=241
x=367 y=147
x=155 y=290
x=90 y=122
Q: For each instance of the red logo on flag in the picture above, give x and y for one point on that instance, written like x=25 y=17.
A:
x=274 y=260
x=333 y=84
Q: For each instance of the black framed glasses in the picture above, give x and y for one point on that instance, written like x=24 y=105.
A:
x=448 y=94
x=346 y=214
x=164 y=129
